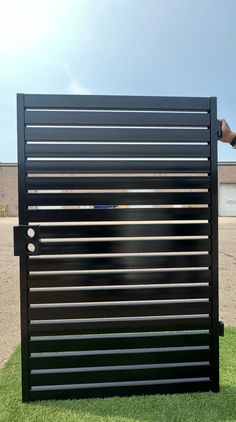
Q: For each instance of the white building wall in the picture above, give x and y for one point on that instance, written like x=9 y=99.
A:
x=227 y=200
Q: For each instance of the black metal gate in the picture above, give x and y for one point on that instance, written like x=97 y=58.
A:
x=119 y=271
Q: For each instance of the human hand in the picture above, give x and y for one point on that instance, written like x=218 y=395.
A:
x=227 y=134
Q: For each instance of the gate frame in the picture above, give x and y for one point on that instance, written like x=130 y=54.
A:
x=216 y=326
x=214 y=246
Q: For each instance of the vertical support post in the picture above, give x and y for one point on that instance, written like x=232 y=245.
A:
x=214 y=248
x=23 y=259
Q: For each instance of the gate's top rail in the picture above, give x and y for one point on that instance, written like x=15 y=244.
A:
x=117 y=102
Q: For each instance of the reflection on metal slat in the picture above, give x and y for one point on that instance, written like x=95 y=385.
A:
x=124 y=278
x=122 y=102
x=103 y=151
x=100 y=134
x=127 y=246
x=118 y=182
x=139 y=214
x=125 y=198
x=99 y=326
x=100 y=342
x=120 y=294
x=117 y=166
x=123 y=373
x=124 y=262
x=124 y=230
x=125 y=310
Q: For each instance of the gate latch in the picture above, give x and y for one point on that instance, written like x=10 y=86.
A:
x=26 y=240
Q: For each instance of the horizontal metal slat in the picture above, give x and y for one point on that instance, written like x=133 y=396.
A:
x=126 y=246
x=120 y=262
x=138 y=214
x=122 y=102
x=119 y=294
x=121 y=357
x=118 y=310
x=115 y=118
x=122 y=373
x=71 y=134
x=109 y=182
x=184 y=385
x=118 y=151
x=125 y=198
x=117 y=166
x=124 y=230
x=124 y=278
x=118 y=341
x=123 y=325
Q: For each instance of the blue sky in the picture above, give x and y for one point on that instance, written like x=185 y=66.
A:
x=130 y=47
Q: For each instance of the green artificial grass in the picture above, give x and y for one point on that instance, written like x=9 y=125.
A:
x=194 y=407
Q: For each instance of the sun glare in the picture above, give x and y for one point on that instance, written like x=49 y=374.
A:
x=24 y=24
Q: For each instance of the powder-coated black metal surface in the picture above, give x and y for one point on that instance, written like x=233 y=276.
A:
x=122 y=300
